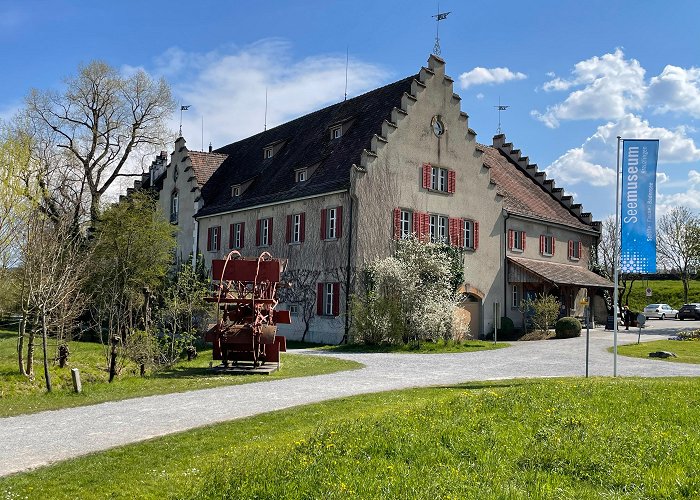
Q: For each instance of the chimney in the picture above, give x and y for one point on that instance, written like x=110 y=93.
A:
x=210 y=147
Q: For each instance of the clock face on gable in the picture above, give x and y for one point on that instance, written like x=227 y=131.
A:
x=437 y=126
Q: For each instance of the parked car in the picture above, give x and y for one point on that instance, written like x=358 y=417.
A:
x=661 y=311
x=689 y=311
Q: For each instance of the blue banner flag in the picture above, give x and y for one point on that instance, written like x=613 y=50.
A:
x=638 y=231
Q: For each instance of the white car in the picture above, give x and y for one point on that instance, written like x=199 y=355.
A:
x=661 y=311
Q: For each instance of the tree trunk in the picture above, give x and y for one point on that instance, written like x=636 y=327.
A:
x=306 y=330
x=113 y=357
x=44 y=334
x=30 y=353
x=20 y=345
x=685 y=288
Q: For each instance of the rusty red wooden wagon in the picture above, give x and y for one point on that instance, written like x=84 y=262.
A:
x=245 y=291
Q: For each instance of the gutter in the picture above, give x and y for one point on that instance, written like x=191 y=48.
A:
x=504 y=249
x=591 y=232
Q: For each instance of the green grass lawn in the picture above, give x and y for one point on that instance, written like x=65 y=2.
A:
x=663 y=292
x=422 y=348
x=18 y=395
x=545 y=439
x=688 y=351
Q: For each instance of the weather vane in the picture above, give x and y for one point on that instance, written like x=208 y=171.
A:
x=500 y=108
x=183 y=108
x=439 y=17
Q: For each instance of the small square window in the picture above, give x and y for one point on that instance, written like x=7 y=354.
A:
x=301 y=175
x=336 y=132
x=236 y=191
x=294 y=309
x=267 y=153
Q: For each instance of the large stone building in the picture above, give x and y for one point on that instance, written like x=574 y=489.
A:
x=332 y=190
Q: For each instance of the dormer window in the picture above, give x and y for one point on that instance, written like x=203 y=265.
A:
x=336 y=132
x=267 y=152
x=300 y=175
x=236 y=191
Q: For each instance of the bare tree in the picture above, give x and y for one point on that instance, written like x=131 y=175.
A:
x=678 y=244
x=302 y=292
x=604 y=261
x=54 y=261
x=91 y=130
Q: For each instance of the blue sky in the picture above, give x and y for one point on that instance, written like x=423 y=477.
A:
x=575 y=74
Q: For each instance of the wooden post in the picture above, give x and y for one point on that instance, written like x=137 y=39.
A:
x=75 y=374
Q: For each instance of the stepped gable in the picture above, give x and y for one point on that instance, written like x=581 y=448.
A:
x=527 y=191
x=205 y=164
x=303 y=142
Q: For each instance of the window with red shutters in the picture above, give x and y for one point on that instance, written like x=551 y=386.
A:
x=427 y=171
x=516 y=240
x=574 y=250
x=547 y=245
x=451 y=181
x=214 y=239
x=295 y=228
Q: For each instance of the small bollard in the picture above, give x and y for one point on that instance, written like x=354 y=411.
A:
x=75 y=374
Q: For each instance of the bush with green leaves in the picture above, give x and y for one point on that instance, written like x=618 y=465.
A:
x=409 y=297
x=507 y=329
x=542 y=311
x=567 y=328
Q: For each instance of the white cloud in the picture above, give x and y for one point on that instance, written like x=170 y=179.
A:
x=227 y=87
x=492 y=76
x=661 y=178
x=676 y=89
x=594 y=162
x=694 y=177
x=480 y=96
x=611 y=86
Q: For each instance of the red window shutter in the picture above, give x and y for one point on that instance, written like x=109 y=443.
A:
x=323 y=224
x=209 y=240
x=415 y=223
x=397 y=223
x=427 y=171
x=453 y=227
x=338 y=222
x=288 y=237
x=580 y=255
x=302 y=226
x=242 y=233
x=571 y=248
x=510 y=239
x=553 y=242
x=336 y=299
x=524 y=240
x=319 y=299
x=257 y=232
x=542 y=244
x=269 y=231
x=476 y=235
x=460 y=242
x=218 y=237
x=450 y=181
x=230 y=235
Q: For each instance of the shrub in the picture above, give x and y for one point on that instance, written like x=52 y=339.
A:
x=542 y=311
x=507 y=330
x=567 y=328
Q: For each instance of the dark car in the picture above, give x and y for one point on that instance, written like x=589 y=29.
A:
x=689 y=311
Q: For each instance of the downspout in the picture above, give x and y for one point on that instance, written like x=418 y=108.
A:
x=195 y=246
x=504 y=246
x=346 y=335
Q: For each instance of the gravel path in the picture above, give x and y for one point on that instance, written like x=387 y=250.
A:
x=30 y=441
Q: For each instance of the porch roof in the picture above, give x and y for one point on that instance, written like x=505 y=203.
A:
x=561 y=274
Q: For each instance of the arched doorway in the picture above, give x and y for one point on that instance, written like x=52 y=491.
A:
x=469 y=309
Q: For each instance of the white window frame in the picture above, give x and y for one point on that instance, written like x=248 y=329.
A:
x=439 y=231
x=336 y=132
x=301 y=175
x=548 y=245
x=215 y=238
x=515 y=297
x=328 y=299
x=438 y=179
x=331 y=223
x=468 y=236
x=237 y=233
x=518 y=241
x=265 y=232
x=267 y=153
x=294 y=309
x=236 y=191
x=296 y=228
x=174 y=206
x=406 y=223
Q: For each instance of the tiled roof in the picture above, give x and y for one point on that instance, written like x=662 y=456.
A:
x=306 y=142
x=205 y=164
x=522 y=194
x=562 y=274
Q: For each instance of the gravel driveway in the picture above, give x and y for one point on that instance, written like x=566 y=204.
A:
x=30 y=441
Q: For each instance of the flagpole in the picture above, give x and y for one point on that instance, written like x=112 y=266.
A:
x=616 y=257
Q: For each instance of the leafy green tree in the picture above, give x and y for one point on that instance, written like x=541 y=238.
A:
x=543 y=311
x=133 y=250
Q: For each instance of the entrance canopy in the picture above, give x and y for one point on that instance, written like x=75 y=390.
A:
x=522 y=270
